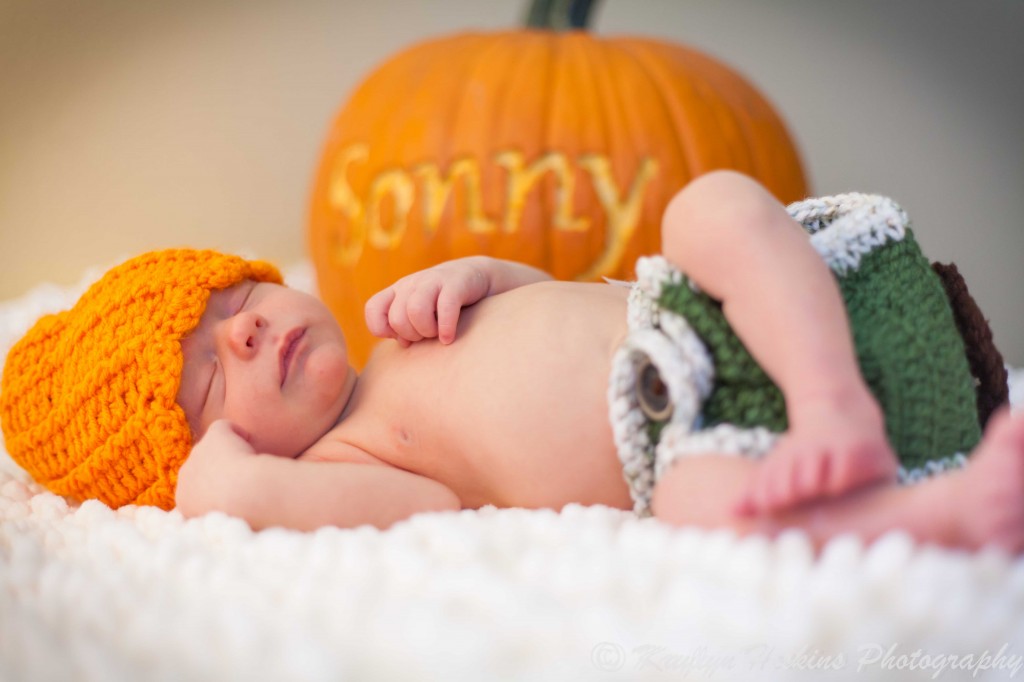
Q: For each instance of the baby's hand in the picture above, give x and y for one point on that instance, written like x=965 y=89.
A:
x=204 y=476
x=426 y=304
x=222 y=436
x=827 y=453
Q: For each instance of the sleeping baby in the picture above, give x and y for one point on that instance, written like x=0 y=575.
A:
x=746 y=380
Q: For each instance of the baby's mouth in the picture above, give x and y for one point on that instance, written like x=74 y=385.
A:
x=289 y=346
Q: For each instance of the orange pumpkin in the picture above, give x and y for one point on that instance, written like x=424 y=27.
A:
x=555 y=149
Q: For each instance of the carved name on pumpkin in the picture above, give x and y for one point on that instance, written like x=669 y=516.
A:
x=400 y=186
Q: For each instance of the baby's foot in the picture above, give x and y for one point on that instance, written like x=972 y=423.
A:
x=828 y=451
x=992 y=488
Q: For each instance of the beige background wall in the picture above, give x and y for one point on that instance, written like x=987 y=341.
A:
x=128 y=125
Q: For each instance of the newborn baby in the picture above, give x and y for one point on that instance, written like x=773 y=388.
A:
x=492 y=388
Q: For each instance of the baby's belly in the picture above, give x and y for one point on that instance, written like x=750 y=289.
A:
x=514 y=413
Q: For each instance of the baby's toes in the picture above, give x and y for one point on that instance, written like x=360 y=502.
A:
x=859 y=466
x=766 y=487
x=780 y=492
x=1007 y=529
x=760 y=496
x=811 y=477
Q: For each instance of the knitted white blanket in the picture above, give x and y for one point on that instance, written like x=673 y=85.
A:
x=87 y=593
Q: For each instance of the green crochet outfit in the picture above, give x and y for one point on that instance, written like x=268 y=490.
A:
x=910 y=353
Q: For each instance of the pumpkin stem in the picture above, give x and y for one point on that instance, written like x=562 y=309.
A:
x=559 y=15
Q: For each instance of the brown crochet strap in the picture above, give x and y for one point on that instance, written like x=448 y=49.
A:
x=984 y=359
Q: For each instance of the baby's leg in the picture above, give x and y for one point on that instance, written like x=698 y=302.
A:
x=732 y=238
x=989 y=494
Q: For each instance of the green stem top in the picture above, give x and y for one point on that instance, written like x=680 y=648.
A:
x=559 y=15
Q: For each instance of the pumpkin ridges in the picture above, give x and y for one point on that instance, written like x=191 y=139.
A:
x=725 y=120
x=539 y=214
x=391 y=142
x=670 y=146
x=756 y=122
x=725 y=124
x=398 y=144
x=556 y=50
x=667 y=136
x=622 y=141
x=519 y=131
x=683 y=122
x=441 y=76
x=463 y=118
x=776 y=163
x=567 y=130
x=721 y=130
x=642 y=69
x=472 y=131
x=460 y=67
x=560 y=82
x=764 y=154
x=455 y=69
x=594 y=58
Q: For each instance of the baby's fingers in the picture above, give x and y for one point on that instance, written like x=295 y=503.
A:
x=455 y=294
x=376 y=312
x=449 y=306
x=398 y=319
x=420 y=310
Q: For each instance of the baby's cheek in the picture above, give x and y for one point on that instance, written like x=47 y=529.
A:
x=328 y=369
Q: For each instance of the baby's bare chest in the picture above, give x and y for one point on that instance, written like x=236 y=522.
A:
x=514 y=411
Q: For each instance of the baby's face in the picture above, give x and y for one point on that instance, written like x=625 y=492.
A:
x=270 y=359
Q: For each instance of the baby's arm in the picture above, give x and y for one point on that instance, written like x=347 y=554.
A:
x=224 y=473
x=426 y=304
x=742 y=248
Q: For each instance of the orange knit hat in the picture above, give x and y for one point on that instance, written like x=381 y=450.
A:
x=88 y=395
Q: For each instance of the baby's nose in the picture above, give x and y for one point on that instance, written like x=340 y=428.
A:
x=245 y=333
